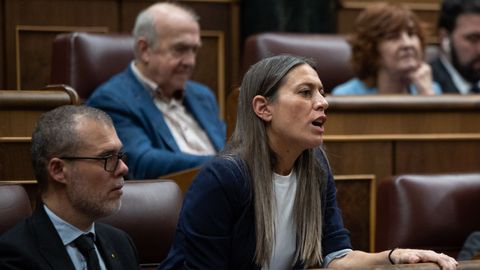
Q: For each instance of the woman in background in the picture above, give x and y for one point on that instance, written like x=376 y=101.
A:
x=388 y=47
x=268 y=201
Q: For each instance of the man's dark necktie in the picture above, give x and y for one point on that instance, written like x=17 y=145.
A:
x=84 y=243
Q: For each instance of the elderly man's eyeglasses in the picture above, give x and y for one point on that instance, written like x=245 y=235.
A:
x=110 y=161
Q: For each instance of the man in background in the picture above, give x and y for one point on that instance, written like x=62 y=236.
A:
x=471 y=247
x=457 y=69
x=78 y=163
x=166 y=122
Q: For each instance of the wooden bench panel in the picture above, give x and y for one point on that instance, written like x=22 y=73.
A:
x=15 y=159
x=20 y=109
x=388 y=155
x=356 y=197
x=439 y=156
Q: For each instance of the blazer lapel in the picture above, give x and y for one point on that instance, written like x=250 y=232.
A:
x=197 y=108
x=109 y=256
x=150 y=113
x=158 y=123
x=50 y=244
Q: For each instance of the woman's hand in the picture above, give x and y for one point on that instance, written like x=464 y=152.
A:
x=401 y=256
x=422 y=79
x=358 y=258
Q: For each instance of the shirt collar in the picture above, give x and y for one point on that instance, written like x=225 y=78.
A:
x=68 y=233
x=150 y=85
x=462 y=85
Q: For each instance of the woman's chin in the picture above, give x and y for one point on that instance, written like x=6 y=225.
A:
x=409 y=65
x=407 y=69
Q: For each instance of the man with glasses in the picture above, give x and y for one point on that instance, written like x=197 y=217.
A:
x=79 y=165
x=166 y=121
x=457 y=69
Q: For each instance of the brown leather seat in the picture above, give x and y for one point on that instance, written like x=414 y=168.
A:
x=330 y=52
x=85 y=60
x=149 y=214
x=427 y=211
x=14 y=206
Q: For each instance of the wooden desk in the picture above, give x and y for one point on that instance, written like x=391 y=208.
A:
x=463 y=265
x=392 y=114
x=388 y=134
x=405 y=114
x=385 y=155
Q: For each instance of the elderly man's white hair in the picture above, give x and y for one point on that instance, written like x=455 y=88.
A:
x=146 y=19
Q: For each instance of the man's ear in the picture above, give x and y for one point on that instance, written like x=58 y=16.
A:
x=57 y=169
x=143 y=50
x=444 y=38
x=261 y=108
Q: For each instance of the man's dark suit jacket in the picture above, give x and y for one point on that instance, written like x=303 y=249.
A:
x=35 y=244
x=442 y=77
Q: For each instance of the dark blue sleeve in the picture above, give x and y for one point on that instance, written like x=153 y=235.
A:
x=204 y=233
x=200 y=100
x=335 y=235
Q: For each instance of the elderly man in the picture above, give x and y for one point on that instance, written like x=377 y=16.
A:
x=457 y=69
x=78 y=162
x=166 y=122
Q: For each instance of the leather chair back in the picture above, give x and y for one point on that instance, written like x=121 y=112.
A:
x=149 y=214
x=330 y=52
x=86 y=60
x=427 y=211
x=14 y=206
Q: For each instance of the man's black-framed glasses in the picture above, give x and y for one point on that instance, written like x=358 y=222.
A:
x=110 y=161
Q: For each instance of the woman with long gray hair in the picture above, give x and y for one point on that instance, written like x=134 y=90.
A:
x=268 y=201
